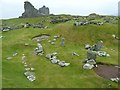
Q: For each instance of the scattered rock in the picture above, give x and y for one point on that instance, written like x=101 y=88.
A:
x=24 y=58
x=25 y=65
x=87 y=46
x=26 y=44
x=49 y=41
x=32 y=69
x=54 y=59
x=52 y=43
x=91 y=61
x=102 y=54
x=75 y=54
x=39 y=49
x=88 y=66
x=56 y=37
x=27 y=69
x=15 y=54
x=115 y=79
x=114 y=36
x=28 y=73
x=31 y=78
x=9 y=58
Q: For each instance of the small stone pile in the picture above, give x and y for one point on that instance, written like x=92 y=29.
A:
x=92 y=53
x=86 y=23
x=53 y=41
x=90 y=62
x=102 y=54
x=115 y=79
x=39 y=49
x=53 y=58
x=97 y=48
x=115 y=37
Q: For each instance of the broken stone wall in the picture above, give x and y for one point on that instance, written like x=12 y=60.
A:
x=44 y=10
x=31 y=11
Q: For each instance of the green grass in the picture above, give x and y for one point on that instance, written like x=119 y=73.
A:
x=50 y=75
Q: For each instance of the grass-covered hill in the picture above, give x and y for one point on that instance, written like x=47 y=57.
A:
x=50 y=75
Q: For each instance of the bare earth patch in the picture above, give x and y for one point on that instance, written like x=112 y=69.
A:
x=107 y=71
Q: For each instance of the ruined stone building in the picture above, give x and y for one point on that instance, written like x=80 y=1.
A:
x=31 y=11
x=44 y=10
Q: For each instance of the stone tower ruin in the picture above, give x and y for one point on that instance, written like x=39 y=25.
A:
x=31 y=11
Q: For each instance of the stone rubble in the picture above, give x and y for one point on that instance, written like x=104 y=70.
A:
x=53 y=41
x=86 y=23
x=115 y=79
x=13 y=55
x=88 y=66
x=115 y=37
x=53 y=58
x=30 y=75
x=39 y=49
x=24 y=59
x=92 y=53
x=102 y=54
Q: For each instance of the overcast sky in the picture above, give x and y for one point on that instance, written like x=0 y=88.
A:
x=15 y=8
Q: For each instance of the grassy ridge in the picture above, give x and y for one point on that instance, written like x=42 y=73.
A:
x=51 y=75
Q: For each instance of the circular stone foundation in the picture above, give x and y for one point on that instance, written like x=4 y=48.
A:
x=41 y=37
